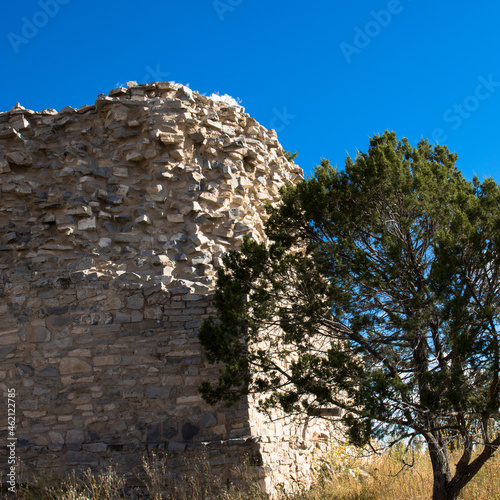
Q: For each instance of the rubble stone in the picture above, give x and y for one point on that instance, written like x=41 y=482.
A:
x=114 y=219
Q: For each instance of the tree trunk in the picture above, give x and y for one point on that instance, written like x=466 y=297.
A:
x=440 y=460
x=467 y=472
x=444 y=487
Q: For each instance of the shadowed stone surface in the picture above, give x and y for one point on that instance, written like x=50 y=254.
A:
x=114 y=218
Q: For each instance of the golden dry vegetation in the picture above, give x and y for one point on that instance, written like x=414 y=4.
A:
x=344 y=474
x=348 y=476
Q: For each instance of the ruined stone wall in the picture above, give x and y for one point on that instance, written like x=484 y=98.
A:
x=113 y=221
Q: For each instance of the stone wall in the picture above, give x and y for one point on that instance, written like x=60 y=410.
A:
x=113 y=221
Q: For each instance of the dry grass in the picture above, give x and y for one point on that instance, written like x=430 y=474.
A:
x=348 y=476
x=107 y=485
x=200 y=484
x=342 y=475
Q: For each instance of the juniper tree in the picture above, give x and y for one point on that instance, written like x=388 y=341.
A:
x=378 y=292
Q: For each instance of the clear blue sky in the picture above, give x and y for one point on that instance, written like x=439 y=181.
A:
x=326 y=74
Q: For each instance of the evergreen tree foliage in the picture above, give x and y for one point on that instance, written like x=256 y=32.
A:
x=289 y=155
x=379 y=293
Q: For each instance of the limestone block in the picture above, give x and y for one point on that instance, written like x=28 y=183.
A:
x=233 y=213
x=199 y=239
x=245 y=181
x=74 y=436
x=87 y=224
x=56 y=437
x=195 y=399
x=208 y=420
x=28 y=404
x=160 y=260
x=105 y=242
x=202 y=259
x=122 y=317
x=240 y=227
x=8 y=187
x=70 y=366
x=9 y=237
x=213 y=198
x=135 y=302
x=177 y=446
x=210 y=151
x=213 y=124
x=121 y=172
x=225 y=232
x=176 y=218
x=9 y=337
x=153 y=312
x=4 y=166
x=177 y=154
x=122 y=190
x=170 y=139
x=155 y=392
x=23 y=189
x=263 y=196
x=19 y=122
x=134 y=156
x=190 y=207
x=79 y=211
x=142 y=219
x=82 y=353
x=100 y=448
x=238 y=144
x=154 y=189
x=8 y=132
x=198 y=137
x=49 y=371
x=107 y=360
x=185 y=93
x=38 y=440
x=229 y=130
x=39 y=334
x=136 y=317
x=150 y=153
x=19 y=158
x=102 y=172
x=114 y=199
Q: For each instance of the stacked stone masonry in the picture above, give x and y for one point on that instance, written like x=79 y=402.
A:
x=113 y=221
